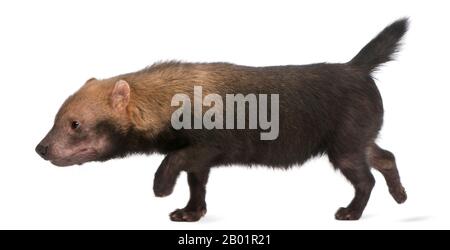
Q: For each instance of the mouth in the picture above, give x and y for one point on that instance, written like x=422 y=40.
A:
x=63 y=163
x=78 y=158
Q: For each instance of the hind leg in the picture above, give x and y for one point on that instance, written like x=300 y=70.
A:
x=355 y=168
x=384 y=161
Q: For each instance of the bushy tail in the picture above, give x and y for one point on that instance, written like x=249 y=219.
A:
x=382 y=48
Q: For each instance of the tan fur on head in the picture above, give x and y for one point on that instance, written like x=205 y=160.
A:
x=152 y=90
x=142 y=99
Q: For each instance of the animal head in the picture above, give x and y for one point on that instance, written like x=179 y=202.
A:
x=83 y=130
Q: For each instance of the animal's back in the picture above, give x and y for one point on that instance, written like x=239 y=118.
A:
x=315 y=101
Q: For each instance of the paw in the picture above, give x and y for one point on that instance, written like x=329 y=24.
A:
x=399 y=194
x=347 y=214
x=187 y=215
x=162 y=189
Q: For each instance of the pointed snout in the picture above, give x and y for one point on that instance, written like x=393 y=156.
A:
x=42 y=150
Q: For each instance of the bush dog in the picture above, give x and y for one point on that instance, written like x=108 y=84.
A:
x=333 y=109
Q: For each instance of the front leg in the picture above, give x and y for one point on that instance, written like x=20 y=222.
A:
x=167 y=174
x=189 y=159
x=196 y=207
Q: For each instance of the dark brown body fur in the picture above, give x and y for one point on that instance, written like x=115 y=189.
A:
x=332 y=109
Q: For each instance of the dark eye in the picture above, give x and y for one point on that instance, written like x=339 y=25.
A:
x=75 y=125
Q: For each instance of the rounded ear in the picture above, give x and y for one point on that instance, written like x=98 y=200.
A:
x=120 y=95
x=90 y=80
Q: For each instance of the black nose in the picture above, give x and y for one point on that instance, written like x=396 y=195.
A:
x=42 y=150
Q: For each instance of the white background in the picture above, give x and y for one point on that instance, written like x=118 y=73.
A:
x=49 y=48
